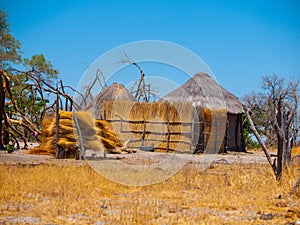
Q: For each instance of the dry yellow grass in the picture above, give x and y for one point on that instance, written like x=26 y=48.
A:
x=224 y=194
x=296 y=150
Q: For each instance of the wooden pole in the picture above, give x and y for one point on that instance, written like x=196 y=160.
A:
x=204 y=136
x=168 y=127
x=144 y=131
x=57 y=127
x=192 y=133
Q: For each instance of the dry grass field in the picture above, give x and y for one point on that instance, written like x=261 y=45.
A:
x=76 y=194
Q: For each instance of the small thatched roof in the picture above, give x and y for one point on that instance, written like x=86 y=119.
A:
x=115 y=91
x=205 y=92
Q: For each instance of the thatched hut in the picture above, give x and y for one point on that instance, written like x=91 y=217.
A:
x=209 y=98
x=114 y=92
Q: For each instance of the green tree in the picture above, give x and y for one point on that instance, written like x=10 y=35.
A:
x=9 y=54
x=25 y=87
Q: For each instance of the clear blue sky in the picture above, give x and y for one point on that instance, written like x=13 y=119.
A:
x=241 y=41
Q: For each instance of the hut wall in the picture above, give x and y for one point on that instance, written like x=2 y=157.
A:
x=210 y=130
x=146 y=124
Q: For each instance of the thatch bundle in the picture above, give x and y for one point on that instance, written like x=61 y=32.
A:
x=108 y=137
x=94 y=134
x=87 y=128
x=48 y=142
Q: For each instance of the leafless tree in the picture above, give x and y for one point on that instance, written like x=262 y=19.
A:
x=87 y=97
x=140 y=89
x=275 y=113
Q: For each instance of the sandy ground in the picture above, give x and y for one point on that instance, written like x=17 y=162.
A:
x=22 y=157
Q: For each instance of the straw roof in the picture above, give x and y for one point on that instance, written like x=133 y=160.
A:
x=115 y=91
x=205 y=92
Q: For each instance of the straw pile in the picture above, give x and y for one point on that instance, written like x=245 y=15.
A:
x=87 y=127
x=48 y=143
x=108 y=137
x=94 y=133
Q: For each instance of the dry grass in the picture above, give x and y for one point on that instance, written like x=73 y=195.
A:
x=296 y=150
x=224 y=194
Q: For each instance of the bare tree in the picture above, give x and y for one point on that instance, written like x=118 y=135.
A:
x=87 y=97
x=275 y=113
x=140 y=89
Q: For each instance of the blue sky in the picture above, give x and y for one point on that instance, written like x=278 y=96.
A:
x=240 y=41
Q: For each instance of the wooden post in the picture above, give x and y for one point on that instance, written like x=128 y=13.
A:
x=143 y=136
x=204 y=136
x=192 y=134
x=57 y=153
x=168 y=128
x=71 y=105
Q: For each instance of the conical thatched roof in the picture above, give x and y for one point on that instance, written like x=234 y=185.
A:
x=115 y=91
x=205 y=92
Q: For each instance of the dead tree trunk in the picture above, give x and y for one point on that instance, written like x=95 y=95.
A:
x=283 y=128
x=279 y=123
x=2 y=103
x=260 y=141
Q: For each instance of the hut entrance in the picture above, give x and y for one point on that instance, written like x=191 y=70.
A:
x=233 y=133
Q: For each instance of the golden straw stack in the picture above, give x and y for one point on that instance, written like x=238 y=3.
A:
x=94 y=133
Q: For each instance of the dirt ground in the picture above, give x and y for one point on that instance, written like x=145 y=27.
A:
x=22 y=157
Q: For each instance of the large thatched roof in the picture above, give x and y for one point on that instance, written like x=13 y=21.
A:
x=205 y=92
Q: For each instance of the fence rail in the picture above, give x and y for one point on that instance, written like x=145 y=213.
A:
x=166 y=134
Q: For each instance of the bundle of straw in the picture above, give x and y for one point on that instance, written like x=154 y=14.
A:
x=95 y=134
